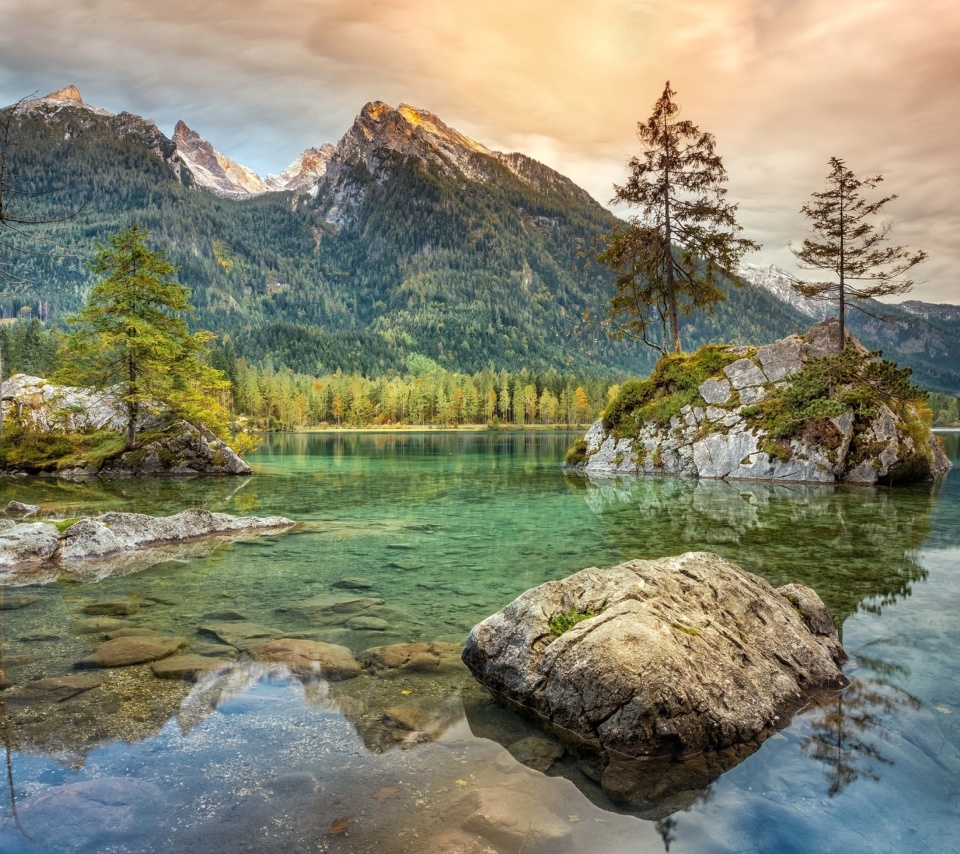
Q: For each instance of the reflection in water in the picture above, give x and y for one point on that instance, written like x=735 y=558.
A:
x=857 y=547
x=443 y=529
x=846 y=731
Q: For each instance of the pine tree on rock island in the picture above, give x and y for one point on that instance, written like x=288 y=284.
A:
x=847 y=244
x=131 y=337
x=668 y=259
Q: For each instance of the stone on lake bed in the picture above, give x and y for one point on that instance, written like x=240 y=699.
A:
x=367 y=624
x=241 y=634
x=331 y=610
x=684 y=654
x=123 y=652
x=307 y=658
x=423 y=657
x=214 y=650
x=188 y=668
x=353 y=584
x=13 y=602
x=121 y=606
x=133 y=632
x=54 y=689
x=515 y=820
x=97 y=625
x=226 y=615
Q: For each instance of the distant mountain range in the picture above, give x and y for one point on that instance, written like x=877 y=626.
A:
x=406 y=237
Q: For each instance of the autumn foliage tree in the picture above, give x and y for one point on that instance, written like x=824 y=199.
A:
x=846 y=242
x=669 y=258
x=131 y=338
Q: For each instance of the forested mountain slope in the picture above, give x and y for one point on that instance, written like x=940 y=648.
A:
x=412 y=239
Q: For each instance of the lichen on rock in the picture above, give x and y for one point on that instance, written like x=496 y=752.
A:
x=792 y=410
x=686 y=654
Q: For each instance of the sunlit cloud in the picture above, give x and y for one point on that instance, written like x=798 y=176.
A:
x=783 y=85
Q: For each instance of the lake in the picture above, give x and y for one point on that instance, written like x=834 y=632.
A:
x=446 y=528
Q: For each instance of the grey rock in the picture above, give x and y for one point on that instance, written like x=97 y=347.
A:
x=308 y=658
x=17 y=508
x=715 y=391
x=97 y=625
x=28 y=544
x=429 y=657
x=687 y=653
x=537 y=753
x=215 y=650
x=332 y=610
x=353 y=584
x=718 y=441
x=752 y=394
x=55 y=689
x=133 y=632
x=744 y=373
x=89 y=538
x=783 y=358
x=229 y=614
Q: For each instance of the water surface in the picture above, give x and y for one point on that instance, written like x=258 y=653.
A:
x=447 y=528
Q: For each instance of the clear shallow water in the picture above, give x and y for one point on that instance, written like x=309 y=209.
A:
x=448 y=528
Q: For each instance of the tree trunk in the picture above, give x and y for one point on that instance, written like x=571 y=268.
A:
x=668 y=250
x=843 y=282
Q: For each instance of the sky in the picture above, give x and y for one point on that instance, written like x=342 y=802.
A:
x=782 y=84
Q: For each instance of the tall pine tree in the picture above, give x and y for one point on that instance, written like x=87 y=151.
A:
x=847 y=244
x=669 y=257
x=131 y=338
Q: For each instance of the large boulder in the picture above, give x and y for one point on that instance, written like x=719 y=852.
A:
x=685 y=654
x=719 y=434
x=172 y=447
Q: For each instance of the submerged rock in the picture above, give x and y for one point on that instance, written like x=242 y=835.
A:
x=422 y=657
x=722 y=434
x=18 y=508
x=685 y=654
x=122 y=652
x=188 y=668
x=308 y=658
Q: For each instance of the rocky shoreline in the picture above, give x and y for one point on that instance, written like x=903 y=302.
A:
x=70 y=544
x=722 y=434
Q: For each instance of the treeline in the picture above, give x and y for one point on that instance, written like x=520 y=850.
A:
x=271 y=398
x=945 y=408
x=425 y=396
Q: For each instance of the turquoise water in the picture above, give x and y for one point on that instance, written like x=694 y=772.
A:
x=445 y=528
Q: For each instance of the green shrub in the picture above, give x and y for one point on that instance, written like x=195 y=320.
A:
x=564 y=622
x=577 y=453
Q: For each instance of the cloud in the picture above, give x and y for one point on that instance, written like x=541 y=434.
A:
x=782 y=84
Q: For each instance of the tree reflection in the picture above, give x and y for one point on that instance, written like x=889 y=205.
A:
x=856 y=546
x=846 y=729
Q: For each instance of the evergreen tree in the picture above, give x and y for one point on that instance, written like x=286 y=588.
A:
x=669 y=258
x=131 y=338
x=847 y=244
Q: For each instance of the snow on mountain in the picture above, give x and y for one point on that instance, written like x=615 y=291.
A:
x=213 y=170
x=933 y=311
x=304 y=172
x=779 y=282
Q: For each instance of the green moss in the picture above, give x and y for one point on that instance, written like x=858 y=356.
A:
x=65 y=524
x=687 y=630
x=577 y=453
x=566 y=621
x=673 y=384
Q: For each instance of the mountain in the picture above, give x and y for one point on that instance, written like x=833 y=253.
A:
x=406 y=237
x=919 y=335
x=225 y=177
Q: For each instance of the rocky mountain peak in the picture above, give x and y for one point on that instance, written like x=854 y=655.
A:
x=67 y=93
x=213 y=170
